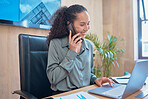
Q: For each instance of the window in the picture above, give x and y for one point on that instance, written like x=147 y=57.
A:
x=142 y=29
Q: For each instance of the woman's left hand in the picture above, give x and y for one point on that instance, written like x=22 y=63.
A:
x=103 y=80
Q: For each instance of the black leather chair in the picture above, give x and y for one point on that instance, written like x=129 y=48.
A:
x=33 y=62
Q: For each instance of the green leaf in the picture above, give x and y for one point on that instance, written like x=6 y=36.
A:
x=109 y=37
x=108 y=51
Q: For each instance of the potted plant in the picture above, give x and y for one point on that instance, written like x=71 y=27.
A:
x=107 y=52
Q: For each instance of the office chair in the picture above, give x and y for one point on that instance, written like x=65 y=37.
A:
x=33 y=63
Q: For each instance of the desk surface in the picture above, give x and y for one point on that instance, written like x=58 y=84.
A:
x=85 y=89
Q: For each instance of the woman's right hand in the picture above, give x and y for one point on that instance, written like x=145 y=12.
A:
x=103 y=80
x=75 y=42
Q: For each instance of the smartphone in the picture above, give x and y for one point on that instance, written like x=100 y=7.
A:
x=70 y=27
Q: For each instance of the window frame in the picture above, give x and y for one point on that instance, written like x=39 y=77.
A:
x=140 y=32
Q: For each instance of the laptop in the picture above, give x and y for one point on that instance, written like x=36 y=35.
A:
x=135 y=83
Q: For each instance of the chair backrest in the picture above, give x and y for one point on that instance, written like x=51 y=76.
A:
x=33 y=62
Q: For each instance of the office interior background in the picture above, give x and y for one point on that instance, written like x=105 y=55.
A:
x=113 y=16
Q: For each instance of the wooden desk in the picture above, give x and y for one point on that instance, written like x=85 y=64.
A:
x=85 y=89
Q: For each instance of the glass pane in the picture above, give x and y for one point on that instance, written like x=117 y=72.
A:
x=146 y=9
x=141 y=10
x=145 y=39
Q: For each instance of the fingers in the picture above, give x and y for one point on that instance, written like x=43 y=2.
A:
x=99 y=85
x=69 y=35
x=111 y=82
x=75 y=36
x=74 y=42
x=103 y=80
x=78 y=40
x=99 y=82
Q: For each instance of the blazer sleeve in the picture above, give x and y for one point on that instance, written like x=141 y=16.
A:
x=56 y=70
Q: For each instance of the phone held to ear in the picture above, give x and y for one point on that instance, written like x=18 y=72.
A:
x=70 y=27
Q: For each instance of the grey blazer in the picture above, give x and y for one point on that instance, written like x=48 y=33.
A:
x=67 y=69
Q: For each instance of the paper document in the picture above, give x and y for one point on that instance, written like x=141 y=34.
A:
x=121 y=80
x=78 y=95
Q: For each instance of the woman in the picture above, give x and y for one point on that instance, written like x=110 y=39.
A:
x=70 y=58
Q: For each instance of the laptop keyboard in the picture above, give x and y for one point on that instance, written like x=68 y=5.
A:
x=117 y=92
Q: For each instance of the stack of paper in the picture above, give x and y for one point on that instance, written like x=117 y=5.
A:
x=78 y=95
x=121 y=80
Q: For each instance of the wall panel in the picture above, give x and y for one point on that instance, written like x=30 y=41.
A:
x=118 y=21
x=9 y=58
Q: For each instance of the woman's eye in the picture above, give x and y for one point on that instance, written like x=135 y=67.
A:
x=81 y=24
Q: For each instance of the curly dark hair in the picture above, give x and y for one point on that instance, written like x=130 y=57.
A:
x=59 y=21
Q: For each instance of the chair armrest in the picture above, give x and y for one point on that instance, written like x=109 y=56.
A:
x=24 y=94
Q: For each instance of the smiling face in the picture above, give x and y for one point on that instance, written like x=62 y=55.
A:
x=82 y=23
